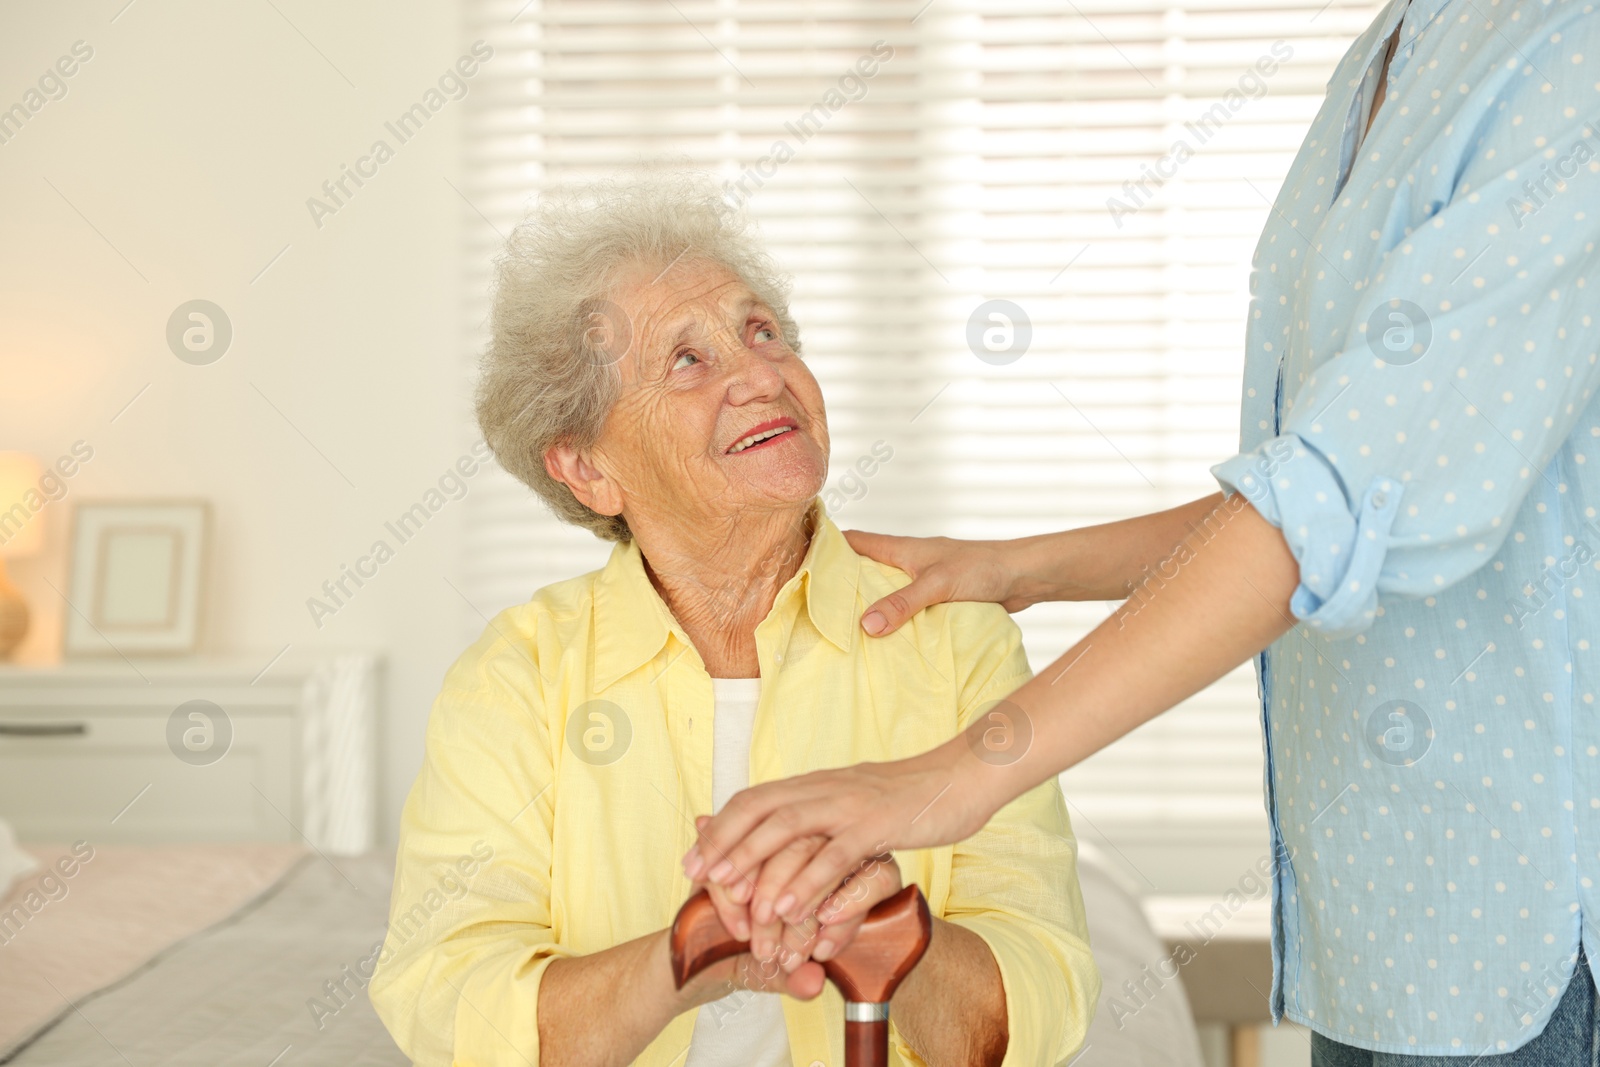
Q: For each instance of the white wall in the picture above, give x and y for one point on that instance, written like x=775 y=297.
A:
x=187 y=147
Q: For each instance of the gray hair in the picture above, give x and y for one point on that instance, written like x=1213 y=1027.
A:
x=545 y=378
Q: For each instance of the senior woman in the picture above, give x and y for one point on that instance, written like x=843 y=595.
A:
x=644 y=378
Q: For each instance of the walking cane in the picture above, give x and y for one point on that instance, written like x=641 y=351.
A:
x=891 y=941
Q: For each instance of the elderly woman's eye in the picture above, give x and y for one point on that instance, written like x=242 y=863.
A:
x=685 y=359
x=765 y=334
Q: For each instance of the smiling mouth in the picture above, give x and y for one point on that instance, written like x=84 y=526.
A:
x=761 y=435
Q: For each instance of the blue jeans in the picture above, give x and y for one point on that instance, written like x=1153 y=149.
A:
x=1569 y=1039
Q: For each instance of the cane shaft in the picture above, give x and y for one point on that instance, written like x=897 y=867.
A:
x=866 y=1044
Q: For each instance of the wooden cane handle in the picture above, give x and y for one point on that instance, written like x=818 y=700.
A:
x=699 y=939
x=891 y=940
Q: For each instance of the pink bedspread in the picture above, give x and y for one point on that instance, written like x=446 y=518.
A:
x=63 y=937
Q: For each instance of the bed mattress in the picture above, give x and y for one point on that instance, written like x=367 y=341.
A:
x=273 y=981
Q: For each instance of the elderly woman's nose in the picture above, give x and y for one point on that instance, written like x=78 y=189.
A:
x=752 y=376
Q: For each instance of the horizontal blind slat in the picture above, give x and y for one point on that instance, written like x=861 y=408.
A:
x=979 y=161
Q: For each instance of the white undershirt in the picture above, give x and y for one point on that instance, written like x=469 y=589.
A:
x=743 y=1029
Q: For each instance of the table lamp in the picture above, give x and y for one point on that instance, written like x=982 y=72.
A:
x=21 y=534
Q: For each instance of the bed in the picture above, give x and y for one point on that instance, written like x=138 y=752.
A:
x=253 y=955
x=198 y=954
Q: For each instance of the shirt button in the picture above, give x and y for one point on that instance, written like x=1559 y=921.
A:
x=778 y=657
x=1380 y=498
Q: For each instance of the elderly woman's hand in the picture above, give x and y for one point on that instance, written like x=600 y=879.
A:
x=824 y=931
x=759 y=975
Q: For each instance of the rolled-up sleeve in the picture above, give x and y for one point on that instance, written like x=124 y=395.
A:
x=1340 y=542
x=1015 y=882
x=1404 y=457
x=470 y=934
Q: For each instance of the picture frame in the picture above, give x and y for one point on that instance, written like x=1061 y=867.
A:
x=136 y=577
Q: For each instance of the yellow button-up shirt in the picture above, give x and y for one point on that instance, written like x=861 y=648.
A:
x=570 y=749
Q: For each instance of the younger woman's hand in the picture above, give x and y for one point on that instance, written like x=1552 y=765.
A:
x=826 y=823
x=942 y=569
x=766 y=931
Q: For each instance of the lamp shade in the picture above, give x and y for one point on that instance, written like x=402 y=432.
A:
x=21 y=525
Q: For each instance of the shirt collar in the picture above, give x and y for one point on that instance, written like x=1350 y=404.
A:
x=1413 y=16
x=632 y=622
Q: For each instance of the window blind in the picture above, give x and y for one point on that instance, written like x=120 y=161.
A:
x=1020 y=234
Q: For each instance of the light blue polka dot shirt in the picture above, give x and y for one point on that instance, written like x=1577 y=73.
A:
x=1420 y=420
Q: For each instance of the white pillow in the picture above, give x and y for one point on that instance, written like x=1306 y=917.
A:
x=14 y=862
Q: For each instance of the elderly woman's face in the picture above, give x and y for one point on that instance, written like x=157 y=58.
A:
x=717 y=414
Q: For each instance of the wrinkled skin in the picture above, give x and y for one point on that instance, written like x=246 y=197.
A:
x=721 y=531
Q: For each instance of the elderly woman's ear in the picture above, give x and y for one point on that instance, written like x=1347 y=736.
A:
x=589 y=484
